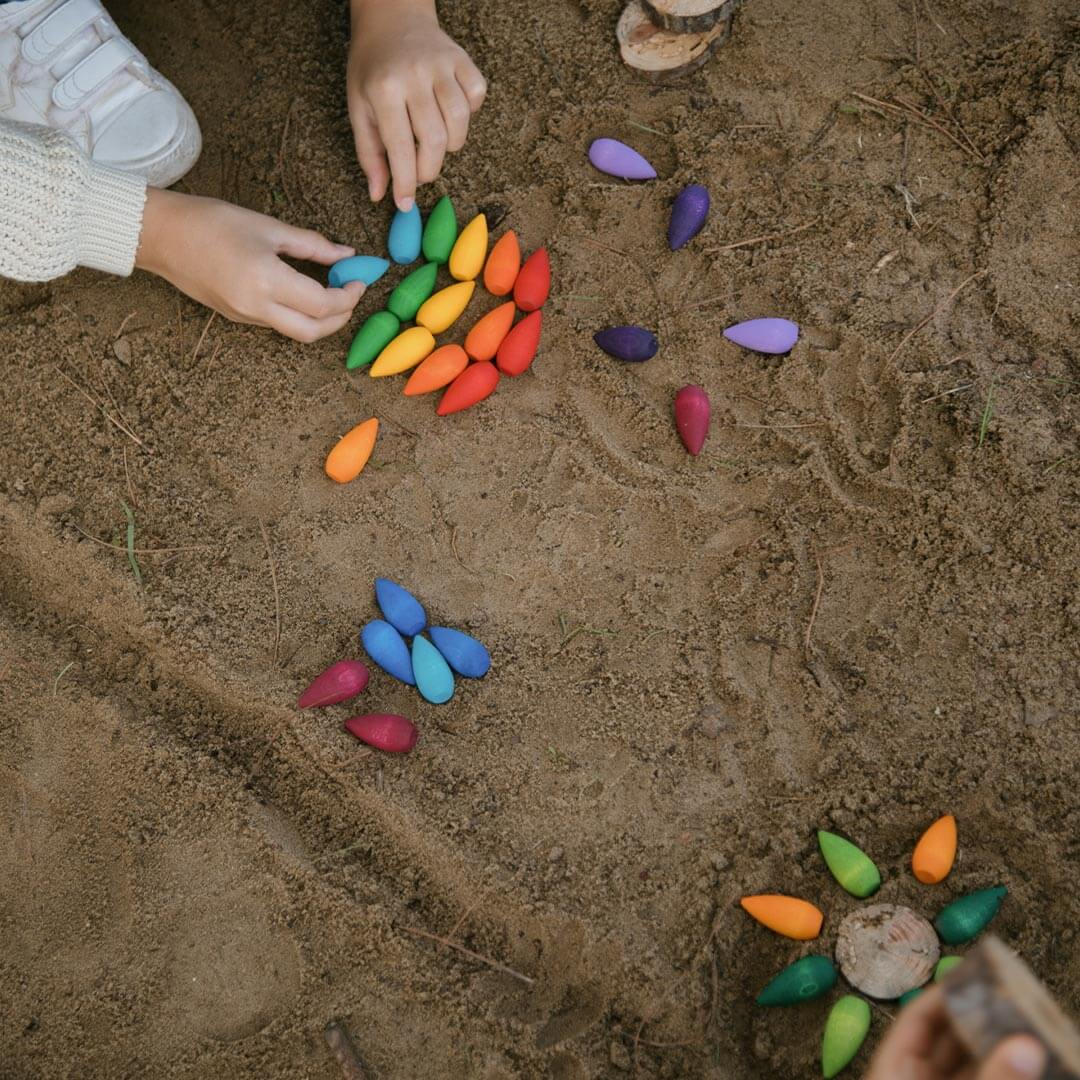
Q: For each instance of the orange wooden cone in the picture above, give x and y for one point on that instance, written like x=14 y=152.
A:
x=440 y=369
x=533 y=282
x=350 y=455
x=474 y=384
x=935 y=852
x=484 y=339
x=519 y=346
x=503 y=265
x=786 y=915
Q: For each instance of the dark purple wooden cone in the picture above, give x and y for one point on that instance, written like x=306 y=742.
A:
x=629 y=343
x=688 y=214
x=692 y=417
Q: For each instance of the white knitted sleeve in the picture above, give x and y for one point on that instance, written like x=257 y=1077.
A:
x=59 y=209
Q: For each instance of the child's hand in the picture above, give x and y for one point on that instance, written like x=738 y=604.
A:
x=228 y=259
x=411 y=93
x=921 y=1045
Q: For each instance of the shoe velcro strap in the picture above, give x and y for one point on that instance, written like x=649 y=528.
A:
x=90 y=72
x=54 y=32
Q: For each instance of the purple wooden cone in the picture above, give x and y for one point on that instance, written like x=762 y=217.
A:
x=629 y=343
x=764 y=335
x=618 y=159
x=688 y=214
x=339 y=682
x=692 y=417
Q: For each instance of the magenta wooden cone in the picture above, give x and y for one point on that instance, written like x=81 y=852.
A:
x=385 y=731
x=339 y=682
x=692 y=417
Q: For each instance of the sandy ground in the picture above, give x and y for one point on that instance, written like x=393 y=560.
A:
x=857 y=609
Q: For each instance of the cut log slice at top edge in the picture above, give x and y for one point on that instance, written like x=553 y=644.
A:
x=659 y=54
x=993 y=994
x=687 y=16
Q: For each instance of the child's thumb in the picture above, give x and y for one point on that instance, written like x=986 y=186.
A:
x=1017 y=1058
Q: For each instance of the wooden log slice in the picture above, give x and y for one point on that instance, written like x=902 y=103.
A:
x=993 y=994
x=687 y=16
x=659 y=54
x=885 y=950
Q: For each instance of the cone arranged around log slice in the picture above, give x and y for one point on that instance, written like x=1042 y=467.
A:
x=993 y=994
x=687 y=16
x=659 y=54
x=885 y=950
x=845 y=1031
x=804 y=980
x=851 y=867
x=967 y=917
x=786 y=915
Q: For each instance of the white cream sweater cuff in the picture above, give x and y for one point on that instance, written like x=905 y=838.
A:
x=59 y=209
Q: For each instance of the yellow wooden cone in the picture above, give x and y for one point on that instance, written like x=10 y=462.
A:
x=441 y=311
x=470 y=251
x=404 y=352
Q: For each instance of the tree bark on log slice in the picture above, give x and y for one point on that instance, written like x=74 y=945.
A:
x=659 y=54
x=993 y=994
x=687 y=16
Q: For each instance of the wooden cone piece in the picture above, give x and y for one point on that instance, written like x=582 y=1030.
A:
x=687 y=16
x=659 y=54
x=993 y=994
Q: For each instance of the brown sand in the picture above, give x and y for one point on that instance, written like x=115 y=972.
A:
x=195 y=879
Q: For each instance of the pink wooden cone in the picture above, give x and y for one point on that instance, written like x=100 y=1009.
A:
x=692 y=417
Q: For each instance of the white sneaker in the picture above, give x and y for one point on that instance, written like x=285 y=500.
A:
x=64 y=64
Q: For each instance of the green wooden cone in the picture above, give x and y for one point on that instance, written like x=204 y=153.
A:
x=965 y=918
x=440 y=232
x=854 y=870
x=945 y=965
x=406 y=299
x=845 y=1031
x=376 y=333
x=911 y=995
x=804 y=980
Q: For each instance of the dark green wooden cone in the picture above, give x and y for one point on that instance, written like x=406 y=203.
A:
x=406 y=299
x=845 y=1031
x=804 y=980
x=967 y=917
x=850 y=866
x=911 y=995
x=440 y=232
x=376 y=333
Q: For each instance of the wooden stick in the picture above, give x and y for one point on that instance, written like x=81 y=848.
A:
x=760 y=240
x=993 y=994
x=494 y=964
x=341 y=1046
x=941 y=307
x=277 y=594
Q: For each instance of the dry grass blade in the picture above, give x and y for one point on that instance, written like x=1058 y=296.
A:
x=202 y=336
x=277 y=593
x=142 y=551
x=941 y=307
x=478 y=957
x=916 y=114
x=119 y=425
x=759 y=240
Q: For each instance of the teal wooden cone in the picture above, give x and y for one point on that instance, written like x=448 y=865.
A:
x=850 y=866
x=911 y=995
x=804 y=980
x=967 y=917
x=845 y=1031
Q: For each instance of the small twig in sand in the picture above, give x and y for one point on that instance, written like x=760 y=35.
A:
x=341 y=1046
x=946 y=393
x=127 y=318
x=478 y=957
x=130 y=543
x=454 y=551
x=139 y=550
x=916 y=114
x=104 y=412
x=277 y=594
x=568 y=635
x=910 y=202
x=202 y=337
x=127 y=477
x=941 y=307
x=645 y=127
x=63 y=671
x=820 y=589
x=761 y=239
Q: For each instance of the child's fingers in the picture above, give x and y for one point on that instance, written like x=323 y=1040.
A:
x=309 y=245
x=397 y=136
x=454 y=106
x=472 y=83
x=370 y=152
x=301 y=327
x=430 y=131
x=298 y=291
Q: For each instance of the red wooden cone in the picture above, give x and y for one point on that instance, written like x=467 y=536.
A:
x=692 y=417
x=519 y=346
x=533 y=282
x=384 y=731
x=474 y=384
